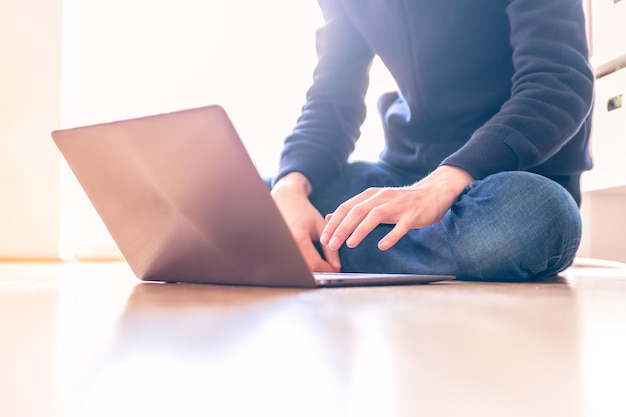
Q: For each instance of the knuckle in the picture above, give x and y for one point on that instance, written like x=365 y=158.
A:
x=342 y=209
x=359 y=210
x=379 y=212
x=384 y=192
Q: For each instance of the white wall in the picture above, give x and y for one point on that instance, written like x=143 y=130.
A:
x=126 y=58
x=30 y=103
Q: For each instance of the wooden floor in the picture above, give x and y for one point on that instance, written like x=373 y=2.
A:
x=91 y=340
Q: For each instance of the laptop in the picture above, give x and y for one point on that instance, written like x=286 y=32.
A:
x=184 y=202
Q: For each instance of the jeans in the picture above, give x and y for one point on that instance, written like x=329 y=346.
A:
x=510 y=226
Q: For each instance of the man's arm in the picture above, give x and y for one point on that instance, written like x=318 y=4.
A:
x=551 y=96
x=329 y=124
x=325 y=133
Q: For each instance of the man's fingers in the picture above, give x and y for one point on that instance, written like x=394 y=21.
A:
x=337 y=219
x=364 y=228
x=356 y=218
x=393 y=236
x=314 y=259
x=332 y=257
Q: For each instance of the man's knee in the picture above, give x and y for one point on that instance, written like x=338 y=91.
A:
x=516 y=226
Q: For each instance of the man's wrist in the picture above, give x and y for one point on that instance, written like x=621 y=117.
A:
x=294 y=181
x=450 y=180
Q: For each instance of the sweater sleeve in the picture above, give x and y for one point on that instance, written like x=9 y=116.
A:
x=329 y=125
x=551 y=94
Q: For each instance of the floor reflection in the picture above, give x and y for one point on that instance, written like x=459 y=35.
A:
x=200 y=350
x=456 y=349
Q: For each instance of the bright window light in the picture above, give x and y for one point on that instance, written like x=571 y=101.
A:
x=130 y=58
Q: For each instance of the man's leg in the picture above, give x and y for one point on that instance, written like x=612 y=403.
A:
x=514 y=226
x=509 y=226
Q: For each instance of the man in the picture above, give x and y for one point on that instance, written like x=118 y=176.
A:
x=485 y=141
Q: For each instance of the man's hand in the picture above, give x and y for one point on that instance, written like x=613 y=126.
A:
x=305 y=223
x=416 y=206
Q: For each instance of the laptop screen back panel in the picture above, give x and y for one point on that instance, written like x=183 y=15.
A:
x=183 y=201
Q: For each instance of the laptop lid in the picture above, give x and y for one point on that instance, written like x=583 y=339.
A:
x=183 y=201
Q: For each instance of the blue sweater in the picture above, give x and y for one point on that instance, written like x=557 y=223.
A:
x=484 y=85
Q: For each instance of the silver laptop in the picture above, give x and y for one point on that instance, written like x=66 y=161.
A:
x=183 y=201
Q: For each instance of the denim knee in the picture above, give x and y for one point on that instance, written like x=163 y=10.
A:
x=515 y=226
